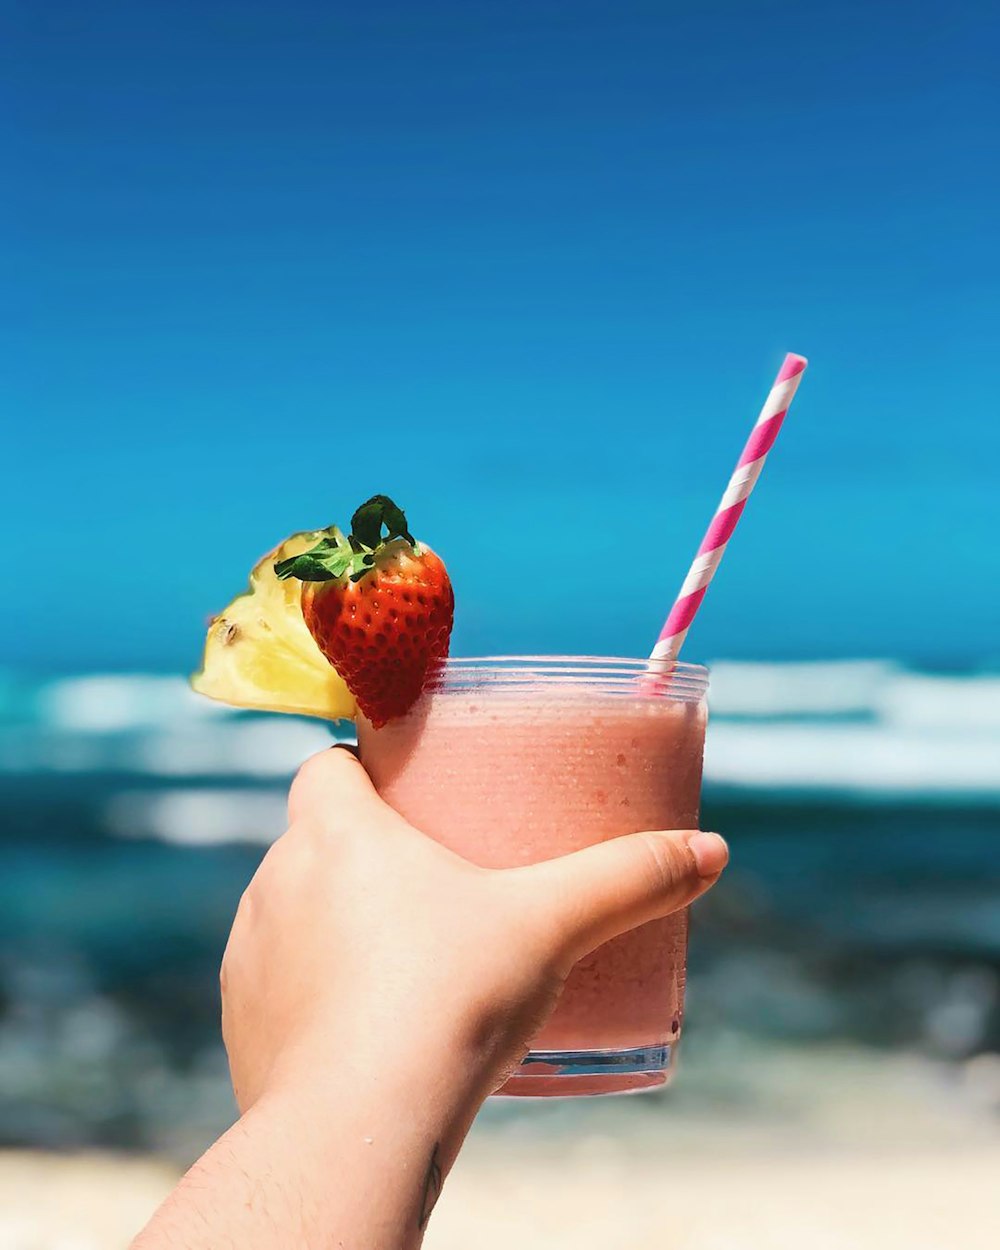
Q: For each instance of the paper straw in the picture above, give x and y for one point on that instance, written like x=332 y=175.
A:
x=744 y=478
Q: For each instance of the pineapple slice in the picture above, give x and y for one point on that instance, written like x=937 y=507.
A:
x=259 y=653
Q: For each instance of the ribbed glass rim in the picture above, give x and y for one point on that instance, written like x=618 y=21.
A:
x=597 y=674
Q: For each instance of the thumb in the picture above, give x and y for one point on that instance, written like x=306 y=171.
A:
x=595 y=894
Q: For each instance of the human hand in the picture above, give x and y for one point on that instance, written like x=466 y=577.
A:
x=358 y=930
x=375 y=989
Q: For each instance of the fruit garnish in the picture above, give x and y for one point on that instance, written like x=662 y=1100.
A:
x=259 y=653
x=379 y=605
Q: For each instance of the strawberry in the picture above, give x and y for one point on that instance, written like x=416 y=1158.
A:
x=380 y=608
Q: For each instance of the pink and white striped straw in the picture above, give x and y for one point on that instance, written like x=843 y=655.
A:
x=744 y=478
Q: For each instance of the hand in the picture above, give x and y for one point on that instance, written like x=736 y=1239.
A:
x=375 y=988
x=357 y=928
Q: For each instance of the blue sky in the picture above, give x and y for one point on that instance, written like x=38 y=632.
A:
x=529 y=267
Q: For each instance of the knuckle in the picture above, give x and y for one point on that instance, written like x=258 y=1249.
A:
x=316 y=793
x=246 y=906
x=300 y=835
x=309 y=776
x=228 y=977
x=667 y=863
x=301 y=839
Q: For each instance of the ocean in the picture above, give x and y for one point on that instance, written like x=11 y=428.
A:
x=861 y=800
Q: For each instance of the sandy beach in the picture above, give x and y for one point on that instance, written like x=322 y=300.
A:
x=838 y=1150
x=927 y=1200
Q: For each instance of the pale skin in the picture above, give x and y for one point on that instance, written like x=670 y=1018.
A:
x=375 y=989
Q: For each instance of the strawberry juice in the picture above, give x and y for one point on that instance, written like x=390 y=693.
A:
x=513 y=761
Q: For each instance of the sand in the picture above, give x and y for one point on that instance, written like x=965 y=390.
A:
x=828 y=1150
x=77 y=1202
x=927 y=1200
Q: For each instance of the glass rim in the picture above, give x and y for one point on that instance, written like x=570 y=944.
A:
x=598 y=674
x=532 y=662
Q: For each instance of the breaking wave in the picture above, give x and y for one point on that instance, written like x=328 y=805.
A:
x=854 y=727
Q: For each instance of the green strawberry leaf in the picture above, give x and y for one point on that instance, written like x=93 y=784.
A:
x=324 y=563
x=334 y=555
x=328 y=560
x=379 y=511
x=360 y=565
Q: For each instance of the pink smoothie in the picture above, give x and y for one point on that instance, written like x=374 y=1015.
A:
x=509 y=777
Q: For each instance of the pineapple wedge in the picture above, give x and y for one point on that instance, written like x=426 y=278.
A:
x=259 y=653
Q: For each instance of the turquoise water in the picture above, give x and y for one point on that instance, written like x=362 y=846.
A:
x=862 y=802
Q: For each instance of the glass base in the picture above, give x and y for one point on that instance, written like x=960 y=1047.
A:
x=578 y=1073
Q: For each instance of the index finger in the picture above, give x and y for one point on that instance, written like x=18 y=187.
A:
x=333 y=787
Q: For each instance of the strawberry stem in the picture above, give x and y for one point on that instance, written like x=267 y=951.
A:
x=367 y=522
x=334 y=555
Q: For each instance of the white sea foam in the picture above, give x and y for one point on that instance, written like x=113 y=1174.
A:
x=865 y=726
x=240 y=748
x=858 y=726
x=869 y=759
x=104 y=703
x=192 y=817
x=874 y=689
x=963 y=704
x=838 y=688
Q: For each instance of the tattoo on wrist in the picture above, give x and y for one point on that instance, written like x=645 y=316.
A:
x=432 y=1187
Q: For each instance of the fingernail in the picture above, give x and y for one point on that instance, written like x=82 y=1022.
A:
x=711 y=854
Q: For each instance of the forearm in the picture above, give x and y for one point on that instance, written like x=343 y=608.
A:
x=356 y=1165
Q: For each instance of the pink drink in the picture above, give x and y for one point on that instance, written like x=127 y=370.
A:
x=514 y=761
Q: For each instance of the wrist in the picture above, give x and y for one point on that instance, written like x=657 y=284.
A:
x=328 y=1081
x=336 y=1150
x=454 y=1055
x=398 y=1119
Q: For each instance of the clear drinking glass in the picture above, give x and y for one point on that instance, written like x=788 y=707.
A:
x=512 y=760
